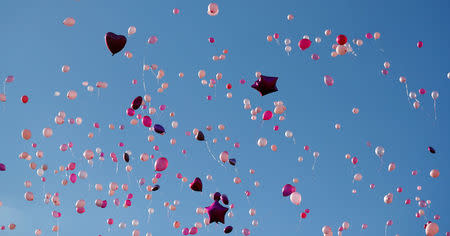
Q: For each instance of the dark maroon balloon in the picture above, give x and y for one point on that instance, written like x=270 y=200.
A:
x=196 y=185
x=216 y=196
x=266 y=85
x=137 y=102
x=232 y=161
x=341 y=39
x=224 y=199
x=431 y=149
x=114 y=42
x=228 y=229
x=126 y=157
x=216 y=212
x=155 y=188
x=2 y=167
x=200 y=136
x=159 y=129
x=288 y=190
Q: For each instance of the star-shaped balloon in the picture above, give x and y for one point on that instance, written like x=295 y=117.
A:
x=216 y=212
x=266 y=85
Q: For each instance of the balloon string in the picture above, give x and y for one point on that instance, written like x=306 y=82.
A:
x=143 y=72
x=435 y=115
x=209 y=150
x=407 y=93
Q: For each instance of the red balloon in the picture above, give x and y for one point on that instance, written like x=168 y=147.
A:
x=304 y=44
x=341 y=39
x=24 y=98
x=420 y=44
x=303 y=215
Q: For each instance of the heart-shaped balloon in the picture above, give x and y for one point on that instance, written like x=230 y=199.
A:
x=196 y=185
x=114 y=42
x=288 y=190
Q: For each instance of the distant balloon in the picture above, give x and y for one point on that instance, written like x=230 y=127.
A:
x=69 y=21
x=266 y=85
x=213 y=9
x=431 y=150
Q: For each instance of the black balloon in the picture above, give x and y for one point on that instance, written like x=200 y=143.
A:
x=114 y=42
x=232 y=161
x=126 y=157
x=224 y=199
x=137 y=102
x=217 y=196
x=431 y=149
x=200 y=136
x=196 y=185
x=228 y=229
x=155 y=188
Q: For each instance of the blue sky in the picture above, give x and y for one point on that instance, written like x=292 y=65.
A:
x=35 y=44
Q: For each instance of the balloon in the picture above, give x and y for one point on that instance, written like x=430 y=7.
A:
x=26 y=134
x=246 y=232
x=193 y=230
x=431 y=149
x=267 y=115
x=114 y=42
x=341 y=50
x=161 y=164
x=391 y=167
x=296 y=198
x=232 y=161
x=435 y=95
x=388 y=198
x=434 y=173
x=200 y=136
x=47 y=132
x=354 y=160
x=431 y=229
x=224 y=199
x=152 y=40
x=196 y=185
x=304 y=44
x=131 y=30
x=288 y=190
x=72 y=94
x=213 y=9
x=379 y=151
x=137 y=102
x=228 y=229
x=147 y=121
x=345 y=225
x=69 y=21
x=326 y=230
x=265 y=85
x=341 y=39
x=328 y=80
x=24 y=99
x=357 y=177
x=159 y=129
x=420 y=44
x=73 y=178
x=216 y=212
x=126 y=157
x=2 y=167
x=29 y=196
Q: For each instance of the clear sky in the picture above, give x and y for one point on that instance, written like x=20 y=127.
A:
x=34 y=45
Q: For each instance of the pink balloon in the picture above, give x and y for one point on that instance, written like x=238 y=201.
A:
x=304 y=44
x=56 y=214
x=328 y=80
x=185 y=231
x=315 y=57
x=246 y=232
x=147 y=121
x=73 y=178
x=161 y=164
x=130 y=112
x=407 y=201
x=422 y=91
x=193 y=230
x=80 y=210
x=267 y=115
x=369 y=36
x=110 y=221
x=152 y=39
x=354 y=160
x=72 y=166
x=420 y=44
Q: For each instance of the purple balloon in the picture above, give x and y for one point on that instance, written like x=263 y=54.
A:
x=196 y=185
x=159 y=129
x=2 y=167
x=232 y=161
x=114 y=42
x=216 y=196
x=266 y=85
x=216 y=212
x=228 y=229
x=288 y=190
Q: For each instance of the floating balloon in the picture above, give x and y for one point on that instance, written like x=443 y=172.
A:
x=304 y=44
x=196 y=185
x=114 y=42
x=288 y=190
x=161 y=164
x=266 y=85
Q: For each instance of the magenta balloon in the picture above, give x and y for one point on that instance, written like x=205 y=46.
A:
x=161 y=164
x=147 y=121
x=288 y=190
x=73 y=178
x=304 y=44
x=130 y=112
x=193 y=230
x=185 y=231
x=328 y=80
x=267 y=115
x=246 y=232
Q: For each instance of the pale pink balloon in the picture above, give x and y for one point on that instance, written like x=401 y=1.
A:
x=391 y=167
x=296 y=198
x=246 y=232
x=131 y=30
x=213 y=9
x=72 y=94
x=224 y=156
x=69 y=21
x=65 y=68
x=431 y=229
